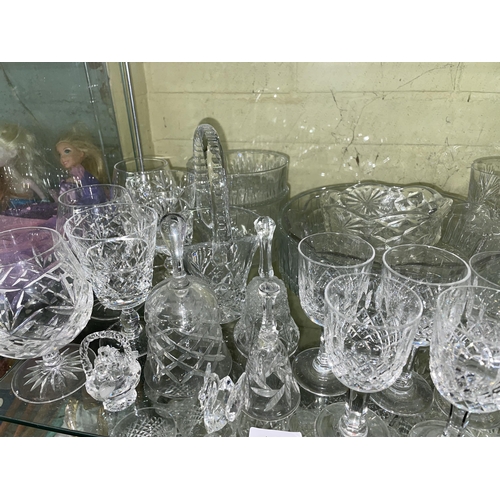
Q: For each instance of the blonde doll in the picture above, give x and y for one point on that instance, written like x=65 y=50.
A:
x=82 y=160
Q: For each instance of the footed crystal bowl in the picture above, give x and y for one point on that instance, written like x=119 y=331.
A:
x=384 y=215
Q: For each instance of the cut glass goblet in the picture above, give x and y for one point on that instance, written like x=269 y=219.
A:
x=370 y=323
x=464 y=358
x=322 y=257
x=115 y=244
x=428 y=270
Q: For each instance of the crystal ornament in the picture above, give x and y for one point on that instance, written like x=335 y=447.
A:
x=115 y=373
x=221 y=400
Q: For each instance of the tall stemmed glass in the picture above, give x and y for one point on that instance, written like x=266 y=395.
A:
x=322 y=256
x=115 y=244
x=428 y=270
x=370 y=323
x=464 y=357
x=45 y=302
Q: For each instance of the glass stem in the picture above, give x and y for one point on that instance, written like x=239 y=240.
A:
x=265 y=227
x=52 y=359
x=458 y=421
x=353 y=422
x=130 y=323
x=322 y=363
x=405 y=380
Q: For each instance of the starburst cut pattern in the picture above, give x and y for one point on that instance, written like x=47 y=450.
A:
x=54 y=376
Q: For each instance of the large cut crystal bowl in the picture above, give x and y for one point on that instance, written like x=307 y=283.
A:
x=384 y=215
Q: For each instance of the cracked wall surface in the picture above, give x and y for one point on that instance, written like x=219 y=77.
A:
x=338 y=122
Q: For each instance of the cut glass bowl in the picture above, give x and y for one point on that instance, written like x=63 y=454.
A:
x=383 y=215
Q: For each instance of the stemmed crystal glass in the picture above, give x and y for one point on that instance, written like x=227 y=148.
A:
x=370 y=323
x=46 y=302
x=428 y=270
x=83 y=197
x=464 y=357
x=115 y=244
x=323 y=256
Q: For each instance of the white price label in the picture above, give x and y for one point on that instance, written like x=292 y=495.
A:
x=256 y=432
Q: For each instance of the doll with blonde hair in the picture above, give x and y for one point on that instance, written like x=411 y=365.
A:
x=83 y=161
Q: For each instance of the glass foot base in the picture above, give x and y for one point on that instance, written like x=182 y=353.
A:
x=316 y=382
x=431 y=428
x=407 y=403
x=36 y=382
x=328 y=419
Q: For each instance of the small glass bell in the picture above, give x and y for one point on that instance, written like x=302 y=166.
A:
x=248 y=326
x=271 y=392
x=183 y=328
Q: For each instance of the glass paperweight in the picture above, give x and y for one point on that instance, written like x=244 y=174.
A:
x=115 y=373
x=248 y=326
x=183 y=328
x=270 y=390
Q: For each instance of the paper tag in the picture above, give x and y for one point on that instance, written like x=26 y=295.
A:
x=256 y=432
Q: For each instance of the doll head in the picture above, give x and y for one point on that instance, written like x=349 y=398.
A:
x=74 y=149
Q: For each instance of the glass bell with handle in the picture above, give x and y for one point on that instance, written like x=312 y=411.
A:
x=248 y=326
x=183 y=328
x=271 y=392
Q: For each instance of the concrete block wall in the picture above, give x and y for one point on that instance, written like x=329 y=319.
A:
x=338 y=122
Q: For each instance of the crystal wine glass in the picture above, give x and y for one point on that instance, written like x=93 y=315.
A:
x=322 y=256
x=46 y=302
x=370 y=323
x=428 y=270
x=464 y=357
x=115 y=244
x=84 y=197
x=81 y=198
